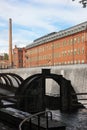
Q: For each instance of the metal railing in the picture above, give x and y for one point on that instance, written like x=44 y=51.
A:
x=38 y=117
x=81 y=98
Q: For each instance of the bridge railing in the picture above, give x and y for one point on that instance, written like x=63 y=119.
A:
x=38 y=115
x=82 y=99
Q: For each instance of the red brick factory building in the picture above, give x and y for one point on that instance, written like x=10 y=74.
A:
x=67 y=46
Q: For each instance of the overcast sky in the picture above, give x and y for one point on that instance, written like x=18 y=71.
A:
x=32 y=19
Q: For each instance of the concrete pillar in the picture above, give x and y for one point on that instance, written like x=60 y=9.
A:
x=10 y=42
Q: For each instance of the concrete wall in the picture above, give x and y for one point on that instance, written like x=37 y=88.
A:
x=76 y=73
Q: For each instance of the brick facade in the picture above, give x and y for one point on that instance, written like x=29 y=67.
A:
x=18 y=57
x=58 y=48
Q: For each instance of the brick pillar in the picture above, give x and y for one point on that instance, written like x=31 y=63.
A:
x=10 y=43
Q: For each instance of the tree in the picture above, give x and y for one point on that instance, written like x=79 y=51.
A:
x=5 y=56
x=83 y=2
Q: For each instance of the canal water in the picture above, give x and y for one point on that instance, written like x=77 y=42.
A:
x=74 y=121
x=4 y=126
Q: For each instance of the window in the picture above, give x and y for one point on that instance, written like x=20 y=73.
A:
x=71 y=41
x=74 y=51
x=78 y=61
x=83 y=50
x=68 y=52
x=65 y=53
x=86 y=36
x=71 y=52
x=74 y=40
x=68 y=62
x=71 y=62
x=82 y=61
x=83 y=38
x=79 y=39
x=65 y=62
x=75 y=61
x=56 y=45
x=62 y=53
x=64 y=43
x=78 y=51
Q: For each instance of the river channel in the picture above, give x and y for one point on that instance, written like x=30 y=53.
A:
x=74 y=121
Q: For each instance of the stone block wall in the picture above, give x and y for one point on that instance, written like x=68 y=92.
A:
x=76 y=73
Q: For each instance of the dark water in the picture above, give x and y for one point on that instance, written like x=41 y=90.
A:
x=4 y=126
x=74 y=121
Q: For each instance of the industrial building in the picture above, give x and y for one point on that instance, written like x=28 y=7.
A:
x=67 y=46
x=18 y=57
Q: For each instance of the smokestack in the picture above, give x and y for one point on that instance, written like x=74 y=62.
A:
x=10 y=42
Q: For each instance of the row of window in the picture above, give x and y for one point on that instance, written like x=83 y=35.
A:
x=40 y=49
x=69 y=42
x=70 y=62
x=45 y=48
x=78 y=51
x=59 y=63
x=47 y=57
x=44 y=57
x=69 y=52
x=79 y=39
x=33 y=51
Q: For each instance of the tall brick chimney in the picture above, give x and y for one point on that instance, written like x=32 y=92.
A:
x=10 y=43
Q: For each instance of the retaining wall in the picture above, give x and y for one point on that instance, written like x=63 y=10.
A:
x=76 y=73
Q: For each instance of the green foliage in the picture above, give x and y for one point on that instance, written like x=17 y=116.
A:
x=5 y=56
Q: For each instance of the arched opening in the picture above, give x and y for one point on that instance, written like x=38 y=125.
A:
x=52 y=94
x=52 y=88
x=33 y=93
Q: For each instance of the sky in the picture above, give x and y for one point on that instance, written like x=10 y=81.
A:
x=32 y=19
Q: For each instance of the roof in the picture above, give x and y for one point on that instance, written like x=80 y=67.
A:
x=56 y=35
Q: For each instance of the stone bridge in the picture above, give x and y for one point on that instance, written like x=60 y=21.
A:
x=77 y=74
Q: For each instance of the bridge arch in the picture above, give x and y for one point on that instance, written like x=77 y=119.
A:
x=9 y=82
x=32 y=92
